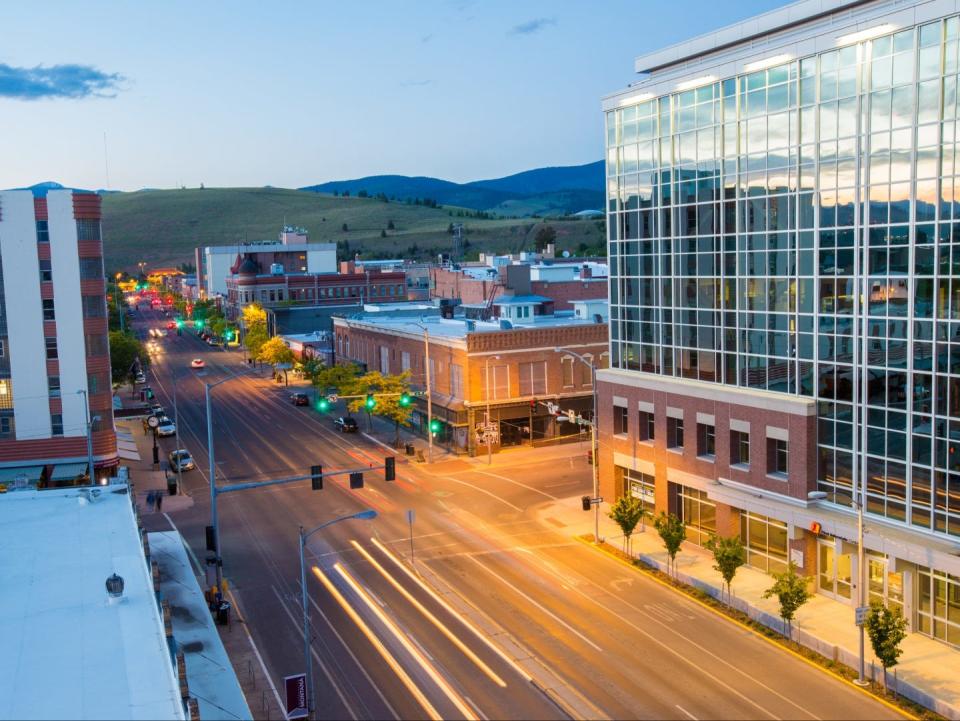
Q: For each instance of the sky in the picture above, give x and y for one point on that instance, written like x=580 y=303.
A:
x=290 y=94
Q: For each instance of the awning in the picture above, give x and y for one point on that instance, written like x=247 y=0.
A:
x=68 y=471
x=9 y=475
x=128 y=455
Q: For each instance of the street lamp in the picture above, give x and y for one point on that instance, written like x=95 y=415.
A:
x=90 y=420
x=366 y=515
x=486 y=430
x=595 y=460
x=218 y=562
x=426 y=369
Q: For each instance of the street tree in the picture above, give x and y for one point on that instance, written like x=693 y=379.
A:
x=792 y=592
x=387 y=391
x=341 y=379
x=672 y=532
x=275 y=352
x=254 y=340
x=728 y=555
x=626 y=513
x=124 y=352
x=887 y=628
x=218 y=326
x=254 y=315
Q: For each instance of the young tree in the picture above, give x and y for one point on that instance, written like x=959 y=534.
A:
x=124 y=352
x=218 y=326
x=792 y=592
x=387 y=391
x=728 y=556
x=672 y=532
x=887 y=628
x=339 y=378
x=275 y=352
x=626 y=513
x=253 y=315
x=544 y=236
x=254 y=340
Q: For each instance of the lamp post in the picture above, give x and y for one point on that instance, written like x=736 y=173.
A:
x=366 y=515
x=593 y=439
x=86 y=404
x=218 y=562
x=486 y=430
x=120 y=310
x=426 y=370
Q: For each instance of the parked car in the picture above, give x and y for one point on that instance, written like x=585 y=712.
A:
x=300 y=399
x=171 y=325
x=197 y=363
x=156 y=409
x=212 y=341
x=181 y=460
x=166 y=427
x=346 y=424
x=141 y=378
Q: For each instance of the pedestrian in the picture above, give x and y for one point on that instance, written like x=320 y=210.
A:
x=159 y=500
x=150 y=503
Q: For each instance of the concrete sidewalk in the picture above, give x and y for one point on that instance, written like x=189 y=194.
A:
x=928 y=672
x=144 y=478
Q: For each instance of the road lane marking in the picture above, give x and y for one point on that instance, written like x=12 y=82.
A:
x=689 y=715
x=476 y=632
x=378 y=645
x=433 y=619
x=404 y=640
x=483 y=490
x=323 y=667
x=545 y=610
x=518 y=483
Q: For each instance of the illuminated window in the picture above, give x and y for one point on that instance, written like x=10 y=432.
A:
x=6 y=393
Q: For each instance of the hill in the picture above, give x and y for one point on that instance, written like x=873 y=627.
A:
x=162 y=227
x=541 y=191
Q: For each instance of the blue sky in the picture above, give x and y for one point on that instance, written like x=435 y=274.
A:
x=288 y=94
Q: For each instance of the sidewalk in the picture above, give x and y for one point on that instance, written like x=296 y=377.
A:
x=928 y=669
x=142 y=475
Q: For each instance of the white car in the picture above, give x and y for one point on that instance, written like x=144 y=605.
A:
x=197 y=363
x=166 y=428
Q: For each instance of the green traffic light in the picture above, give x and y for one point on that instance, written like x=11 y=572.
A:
x=434 y=426
x=404 y=399
x=323 y=405
x=371 y=402
x=179 y=323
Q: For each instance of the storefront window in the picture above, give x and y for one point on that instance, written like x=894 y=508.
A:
x=765 y=540
x=938 y=612
x=641 y=486
x=699 y=514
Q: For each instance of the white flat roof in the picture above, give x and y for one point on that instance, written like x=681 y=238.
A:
x=454 y=328
x=68 y=653
x=267 y=246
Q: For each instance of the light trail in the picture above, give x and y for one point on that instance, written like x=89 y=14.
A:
x=378 y=645
x=430 y=617
x=407 y=644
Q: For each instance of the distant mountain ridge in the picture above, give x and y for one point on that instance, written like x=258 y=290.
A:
x=542 y=191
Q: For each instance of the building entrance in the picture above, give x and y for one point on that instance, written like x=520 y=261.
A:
x=834 y=571
x=884 y=585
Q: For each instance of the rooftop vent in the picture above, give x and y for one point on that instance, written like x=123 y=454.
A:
x=505 y=324
x=115 y=586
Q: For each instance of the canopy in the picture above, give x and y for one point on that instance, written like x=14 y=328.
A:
x=68 y=471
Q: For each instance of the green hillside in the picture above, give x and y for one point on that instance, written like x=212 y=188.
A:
x=162 y=227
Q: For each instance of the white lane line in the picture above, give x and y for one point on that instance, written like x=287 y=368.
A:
x=323 y=667
x=689 y=715
x=483 y=490
x=518 y=483
x=552 y=615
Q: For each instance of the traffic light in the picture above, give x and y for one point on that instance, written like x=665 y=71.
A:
x=356 y=480
x=404 y=400
x=179 y=323
x=228 y=334
x=434 y=426
x=390 y=468
x=198 y=323
x=210 y=538
x=323 y=405
x=371 y=402
x=585 y=502
x=316 y=478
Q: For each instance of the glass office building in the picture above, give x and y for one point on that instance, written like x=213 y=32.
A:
x=782 y=216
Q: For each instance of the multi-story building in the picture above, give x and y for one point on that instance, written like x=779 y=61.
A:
x=508 y=366
x=291 y=253
x=54 y=349
x=784 y=304
x=247 y=284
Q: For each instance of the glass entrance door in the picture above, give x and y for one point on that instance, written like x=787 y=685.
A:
x=885 y=586
x=834 y=571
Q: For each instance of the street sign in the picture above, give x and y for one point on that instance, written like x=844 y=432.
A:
x=332 y=397
x=862 y=612
x=296 y=692
x=410 y=516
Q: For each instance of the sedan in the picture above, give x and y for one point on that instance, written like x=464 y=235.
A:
x=346 y=424
x=166 y=428
x=197 y=363
x=181 y=460
x=300 y=399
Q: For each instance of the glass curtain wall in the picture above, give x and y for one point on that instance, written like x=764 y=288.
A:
x=735 y=217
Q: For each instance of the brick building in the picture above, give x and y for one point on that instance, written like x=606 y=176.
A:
x=54 y=348
x=510 y=365
x=562 y=282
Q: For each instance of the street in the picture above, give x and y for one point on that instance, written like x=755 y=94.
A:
x=499 y=615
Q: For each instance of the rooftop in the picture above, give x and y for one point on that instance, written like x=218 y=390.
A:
x=69 y=652
x=457 y=328
x=267 y=246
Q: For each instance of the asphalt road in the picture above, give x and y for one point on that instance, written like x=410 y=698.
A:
x=505 y=617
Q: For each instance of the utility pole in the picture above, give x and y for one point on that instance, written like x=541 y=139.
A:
x=86 y=403
x=426 y=369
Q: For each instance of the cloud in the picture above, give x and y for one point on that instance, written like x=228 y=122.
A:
x=57 y=81
x=532 y=26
